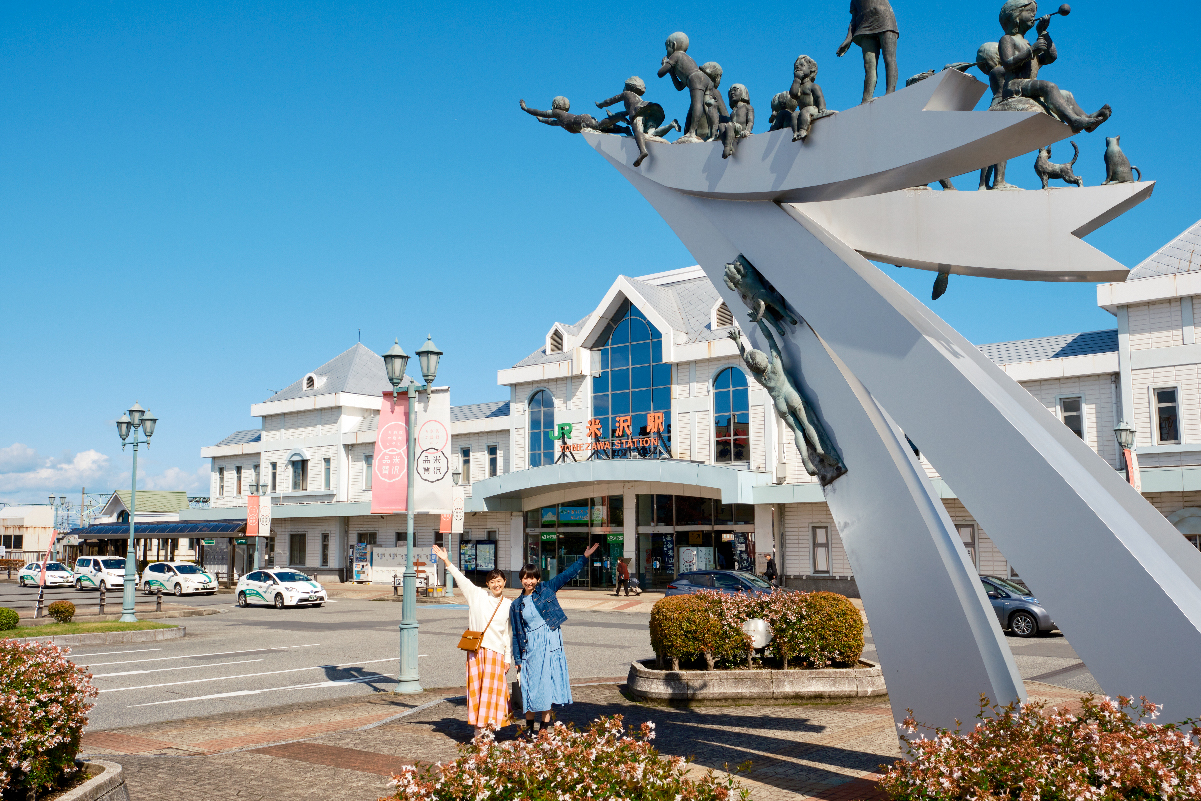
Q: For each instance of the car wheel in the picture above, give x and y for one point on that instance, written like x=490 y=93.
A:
x=178 y=590
x=279 y=601
x=1023 y=624
x=317 y=604
x=242 y=599
x=20 y=581
x=78 y=585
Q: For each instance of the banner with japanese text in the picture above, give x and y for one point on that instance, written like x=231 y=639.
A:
x=432 y=464
x=258 y=516
x=390 y=467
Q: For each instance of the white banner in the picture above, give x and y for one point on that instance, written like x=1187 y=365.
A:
x=432 y=463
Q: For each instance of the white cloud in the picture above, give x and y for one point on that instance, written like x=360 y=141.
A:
x=25 y=476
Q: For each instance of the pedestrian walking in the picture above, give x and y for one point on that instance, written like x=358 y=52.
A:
x=769 y=572
x=623 y=576
x=487 y=664
x=536 y=618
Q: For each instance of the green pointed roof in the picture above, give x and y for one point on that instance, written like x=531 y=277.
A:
x=157 y=500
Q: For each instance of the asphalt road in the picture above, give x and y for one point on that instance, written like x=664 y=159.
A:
x=87 y=602
x=250 y=659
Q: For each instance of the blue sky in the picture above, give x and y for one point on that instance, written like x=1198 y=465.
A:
x=200 y=202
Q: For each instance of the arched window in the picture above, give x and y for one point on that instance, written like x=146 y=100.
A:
x=731 y=417
x=123 y=516
x=633 y=379
x=542 y=425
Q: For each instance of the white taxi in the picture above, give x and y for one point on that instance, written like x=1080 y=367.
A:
x=92 y=572
x=179 y=578
x=57 y=575
x=281 y=588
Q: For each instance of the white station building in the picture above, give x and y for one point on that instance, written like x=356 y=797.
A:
x=675 y=455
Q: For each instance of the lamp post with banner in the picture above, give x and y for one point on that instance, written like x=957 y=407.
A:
x=130 y=422
x=395 y=362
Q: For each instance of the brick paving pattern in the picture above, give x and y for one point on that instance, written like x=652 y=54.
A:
x=348 y=749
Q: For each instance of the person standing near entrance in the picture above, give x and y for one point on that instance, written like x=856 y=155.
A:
x=487 y=688
x=536 y=620
x=769 y=572
x=623 y=576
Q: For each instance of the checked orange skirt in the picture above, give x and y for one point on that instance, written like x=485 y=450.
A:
x=487 y=689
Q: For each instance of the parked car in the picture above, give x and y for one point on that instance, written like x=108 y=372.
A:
x=57 y=575
x=1017 y=610
x=722 y=580
x=178 y=578
x=281 y=588
x=93 y=571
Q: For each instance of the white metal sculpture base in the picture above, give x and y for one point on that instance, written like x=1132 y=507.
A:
x=1121 y=583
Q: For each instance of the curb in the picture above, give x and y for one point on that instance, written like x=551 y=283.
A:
x=728 y=685
x=109 y=785
x=142 y=615
x=109 y=637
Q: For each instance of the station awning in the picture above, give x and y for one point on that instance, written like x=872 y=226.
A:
x=115 y=531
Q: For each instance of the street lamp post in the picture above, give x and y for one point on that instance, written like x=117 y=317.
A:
x=1125 y=437
x=395 y=361
x=130 y=422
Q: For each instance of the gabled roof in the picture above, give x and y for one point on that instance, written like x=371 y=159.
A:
x=1181 y=255
x=358 y=370
x=155 y=500
x=242 y=437
x=1057 y=347
x=479 y=411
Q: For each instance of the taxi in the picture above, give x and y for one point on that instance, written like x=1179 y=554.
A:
x=94 y=572
x=280 y=588
x=179 y=578
x=57 y=575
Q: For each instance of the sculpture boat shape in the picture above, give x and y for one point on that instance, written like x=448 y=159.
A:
x=913 y=137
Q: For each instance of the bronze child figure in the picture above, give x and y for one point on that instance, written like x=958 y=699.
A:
x=874 y=28
x=645 y=119
x=740 y=122
x=810 y=102
x=574 y=123
x=783 y=107
x=685 y=74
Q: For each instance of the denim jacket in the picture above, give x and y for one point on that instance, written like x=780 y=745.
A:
x=545 y=602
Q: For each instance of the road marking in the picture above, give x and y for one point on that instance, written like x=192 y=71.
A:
x=111 y=653
x=197 y=656
x=178 y=667
x=238 y=693
x=242 y=676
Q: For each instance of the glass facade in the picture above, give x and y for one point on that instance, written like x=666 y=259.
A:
x=542 y=425
x=555 y=536
x=679 y=533
x=731 y=417
x=632 y=378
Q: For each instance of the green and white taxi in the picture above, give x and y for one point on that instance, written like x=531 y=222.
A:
x=280 y=588
x=180 y=578
x=57 y=575
x=93 y=571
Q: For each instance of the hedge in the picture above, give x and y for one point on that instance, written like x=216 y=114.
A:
x=812 y=629
x=9 y=619
x=62 y=611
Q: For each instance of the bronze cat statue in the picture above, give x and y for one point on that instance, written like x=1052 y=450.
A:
x=1117 y=166
x=1048 y=170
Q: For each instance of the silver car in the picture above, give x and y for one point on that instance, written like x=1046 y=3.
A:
x=1017 y=610
x=727 y=581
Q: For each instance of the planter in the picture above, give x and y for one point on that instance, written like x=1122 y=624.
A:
x=723 y=685
x=108 y=785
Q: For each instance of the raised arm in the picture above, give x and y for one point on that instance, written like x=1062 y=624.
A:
x=771 y=340
x=611 y=101
x=735 y=335
x=535 y=112
x=560 y=581
x=469 y=589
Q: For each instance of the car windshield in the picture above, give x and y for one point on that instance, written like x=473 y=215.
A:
x=1009 y=586
x=754 y=581
x=113 y=564
x=55 y=566
x=288 y=575
x=187 y=569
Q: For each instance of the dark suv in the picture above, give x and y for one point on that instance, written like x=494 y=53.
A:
x=1017 y=610
x=722 y=580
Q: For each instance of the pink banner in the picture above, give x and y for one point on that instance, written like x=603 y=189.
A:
x=390 y=479
x=252 y=515
x=46 y=561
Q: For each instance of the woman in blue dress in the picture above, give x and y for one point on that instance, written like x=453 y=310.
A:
x=536 y=620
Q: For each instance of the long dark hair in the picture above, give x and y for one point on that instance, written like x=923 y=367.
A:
x=531 y=570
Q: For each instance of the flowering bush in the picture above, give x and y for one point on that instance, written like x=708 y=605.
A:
x=817 y=629
x=62 y=611
x=605 y=762
x=43 y=709
x=9 y=619
x=1110 y=751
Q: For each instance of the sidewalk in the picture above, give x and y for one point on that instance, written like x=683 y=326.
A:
x=347 y=749
x=597 y=600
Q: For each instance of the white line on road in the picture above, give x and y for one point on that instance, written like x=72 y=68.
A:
x=198 y=656
x=314 y=686
x=242 y=676
x=111 y=653
x=178 y=667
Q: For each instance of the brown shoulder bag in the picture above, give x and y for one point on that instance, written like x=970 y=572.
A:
x=472 y=640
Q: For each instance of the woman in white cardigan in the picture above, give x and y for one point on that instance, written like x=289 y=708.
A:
x=487 y=688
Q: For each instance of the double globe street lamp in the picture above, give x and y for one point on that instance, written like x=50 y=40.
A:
x=130 y=422
x=395 y=361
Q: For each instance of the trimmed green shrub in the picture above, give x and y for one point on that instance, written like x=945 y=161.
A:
x=44 y=703
x=62 y=611
x=9 y=619
x=814 y=629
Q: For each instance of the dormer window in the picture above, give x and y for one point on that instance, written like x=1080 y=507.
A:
x=722 y=316
x=310 y=382
x=556 y=341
